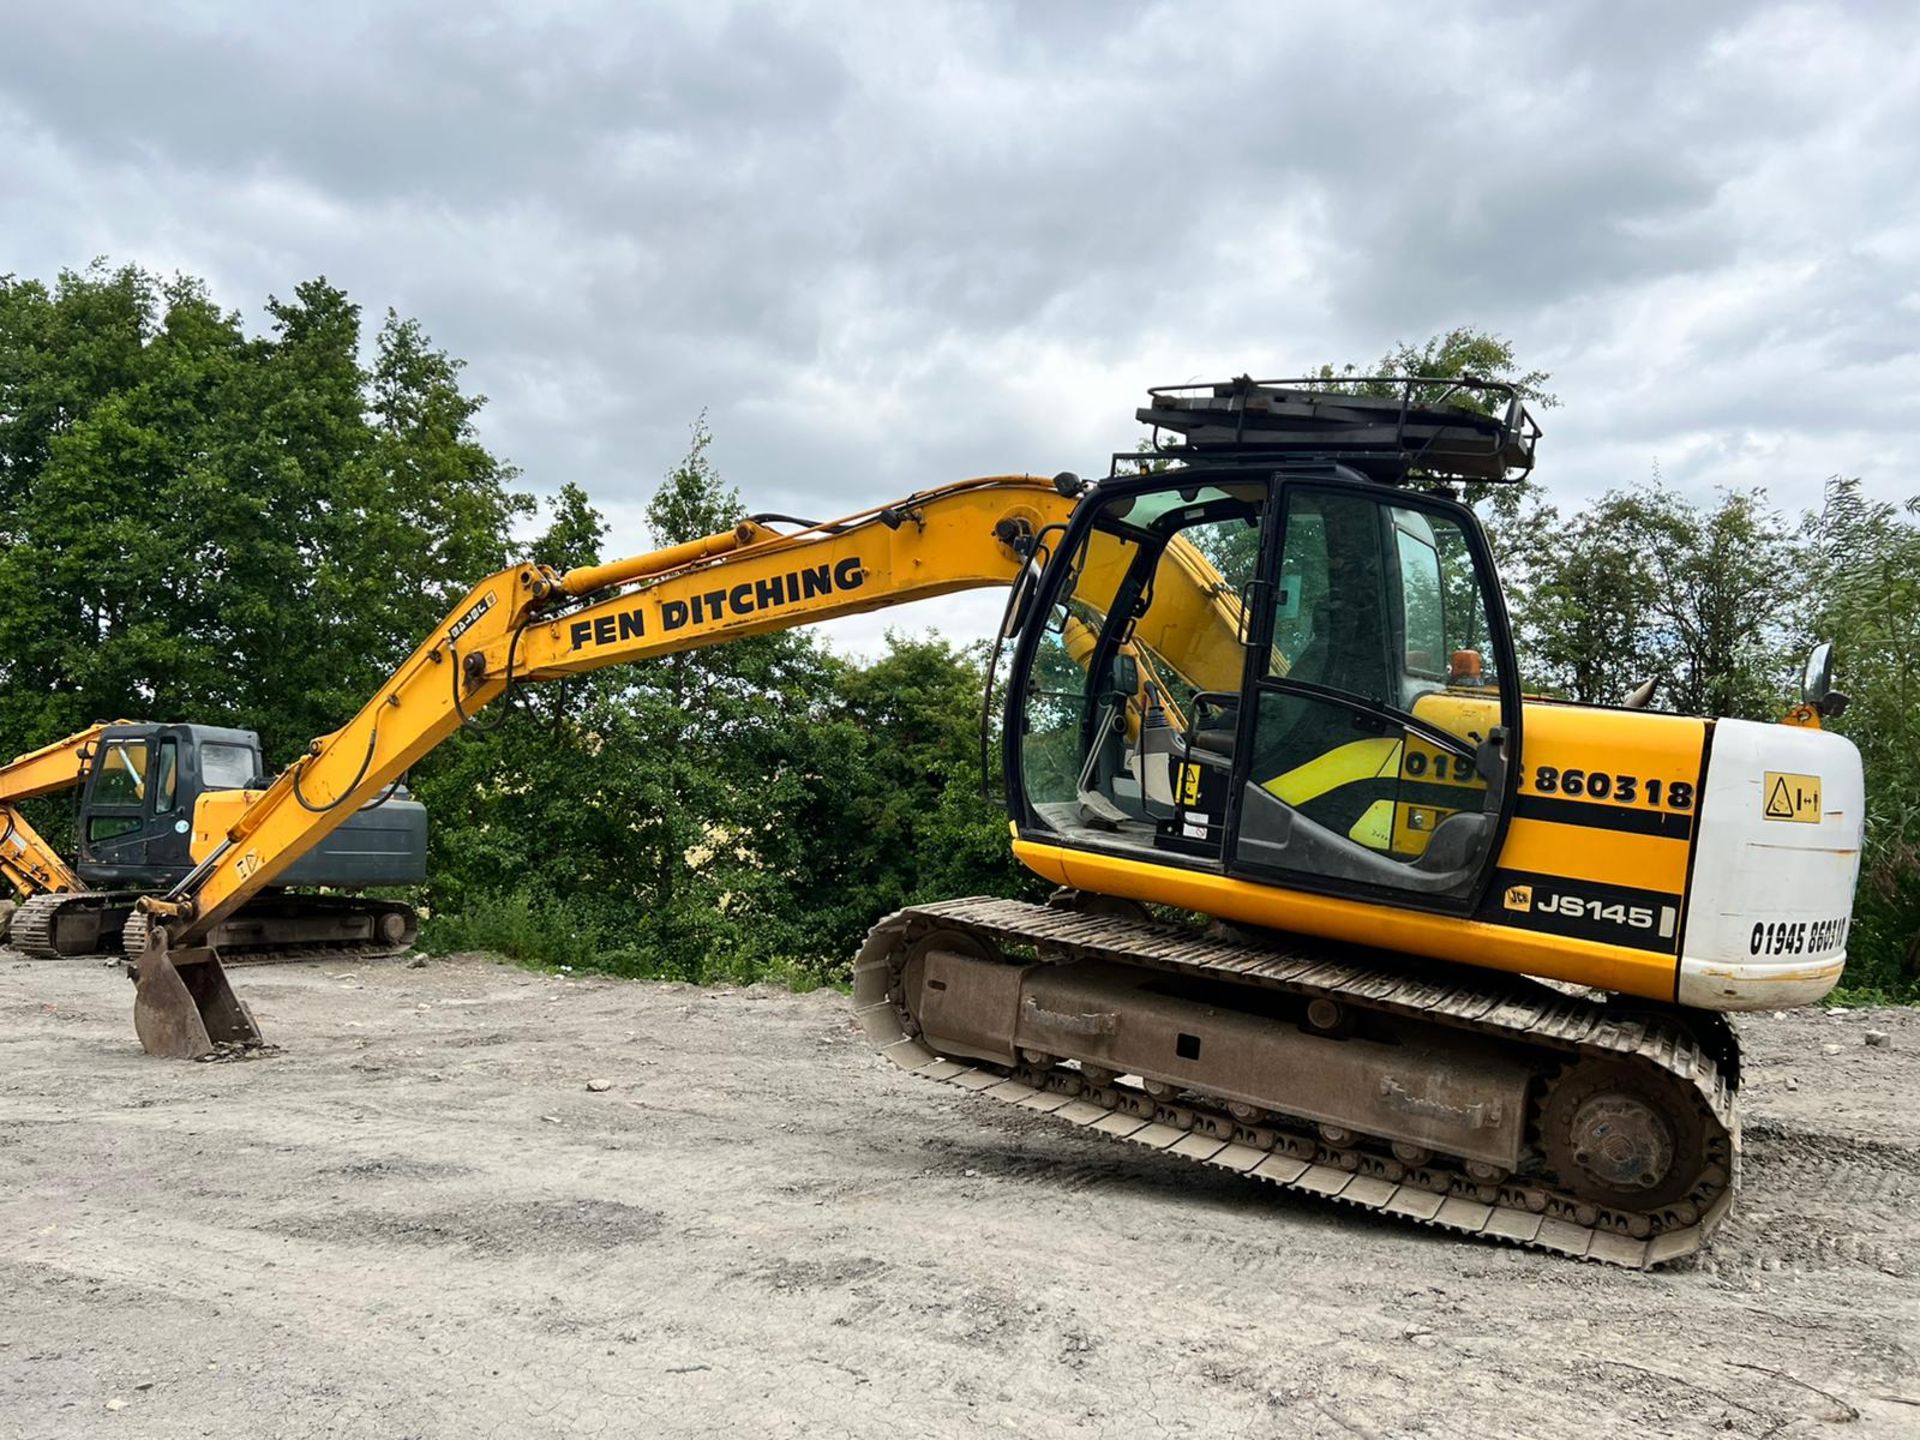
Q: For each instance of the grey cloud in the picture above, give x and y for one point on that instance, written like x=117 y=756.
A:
x=887 y=245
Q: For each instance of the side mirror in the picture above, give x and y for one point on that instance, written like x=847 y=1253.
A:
x=1817 y=679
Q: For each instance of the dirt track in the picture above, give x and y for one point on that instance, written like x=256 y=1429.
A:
x=417 y=1221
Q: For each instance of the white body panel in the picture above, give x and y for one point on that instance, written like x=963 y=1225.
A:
x=1772 y=894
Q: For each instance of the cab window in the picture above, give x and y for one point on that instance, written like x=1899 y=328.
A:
x=166 y=780
x=1422 y=601
x=226 y=767
x=1133 y=691
x=123 y=773
x=1376 y=728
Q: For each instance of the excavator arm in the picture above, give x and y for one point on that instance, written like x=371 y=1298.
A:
x=530 y=623
x=27 y=862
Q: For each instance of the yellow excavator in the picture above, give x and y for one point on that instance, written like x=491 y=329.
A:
x=1339 y=908
x=137 y=787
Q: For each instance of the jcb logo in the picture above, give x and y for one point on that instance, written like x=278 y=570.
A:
x=1519 y=897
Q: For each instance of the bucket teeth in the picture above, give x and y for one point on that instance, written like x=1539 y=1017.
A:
x=183 y=1007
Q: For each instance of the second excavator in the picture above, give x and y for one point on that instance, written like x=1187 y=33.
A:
x=1339 y=908
x=151 y=800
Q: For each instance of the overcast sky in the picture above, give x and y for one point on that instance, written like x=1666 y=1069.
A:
x=886 y=246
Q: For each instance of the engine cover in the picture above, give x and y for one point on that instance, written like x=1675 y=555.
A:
x=1776 y=857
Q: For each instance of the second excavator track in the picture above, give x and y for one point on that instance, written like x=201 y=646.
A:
x=1690 y=1066
x=39 y=920
x=274 y=930
x=238 y=947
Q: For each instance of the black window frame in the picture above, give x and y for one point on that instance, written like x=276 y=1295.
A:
x=1280 y=486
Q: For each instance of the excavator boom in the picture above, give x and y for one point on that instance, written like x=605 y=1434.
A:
x=531 y=624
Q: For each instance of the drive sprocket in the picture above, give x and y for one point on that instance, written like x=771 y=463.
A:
x=1622 y=1135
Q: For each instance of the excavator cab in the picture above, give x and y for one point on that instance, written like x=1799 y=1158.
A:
x=1264 y=677
x=156 y=796
x=136 y=804
x=1289 y=666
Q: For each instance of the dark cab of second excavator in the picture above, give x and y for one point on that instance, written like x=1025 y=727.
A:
x=135 y=820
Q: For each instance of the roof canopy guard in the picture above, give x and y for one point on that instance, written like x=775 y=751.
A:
x=1391 y=428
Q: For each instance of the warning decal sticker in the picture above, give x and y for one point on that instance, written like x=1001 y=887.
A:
x=1791 y=797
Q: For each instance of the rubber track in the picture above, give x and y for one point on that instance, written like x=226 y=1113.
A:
x=1510 y=1008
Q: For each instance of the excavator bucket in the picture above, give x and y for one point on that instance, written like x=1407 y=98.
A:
x=183 y=1007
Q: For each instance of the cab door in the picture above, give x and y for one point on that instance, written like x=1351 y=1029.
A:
x=1380 y=733
x=129 y=806
x=1127 y=688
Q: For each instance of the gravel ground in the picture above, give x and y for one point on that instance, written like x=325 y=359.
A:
x=417 y=1219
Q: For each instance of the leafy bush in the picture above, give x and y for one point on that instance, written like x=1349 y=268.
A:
x=518 y=927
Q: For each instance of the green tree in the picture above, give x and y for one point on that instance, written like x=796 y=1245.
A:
x=745 y=809
x=1642 y=585
x=1723 y=583
x=106 y=380
x=576 y=534
x=1462 y=353
x=1453 y=354
x=1581 y=598
x=642 y=810
x=1863 y=562
x=876 y=802
x=202 y=524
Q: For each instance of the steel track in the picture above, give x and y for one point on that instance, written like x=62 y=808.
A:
x=33 y=922
x=1554 y=1029
x=133 y=939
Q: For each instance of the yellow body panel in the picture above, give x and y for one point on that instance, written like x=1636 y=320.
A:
x=1358 y=760
x=1645 y=862
x=1636 y=847
x=214 y=814
x=1658 y=752
x=1385 y=926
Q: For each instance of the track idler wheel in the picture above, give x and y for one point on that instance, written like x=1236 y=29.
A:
x=1622 y=1135
x=183 y=1007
